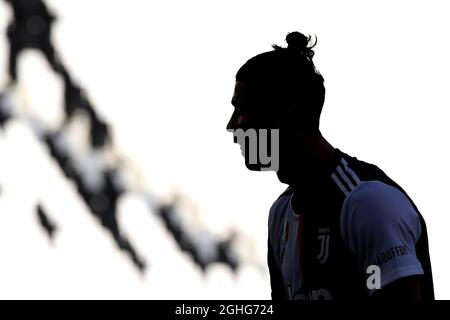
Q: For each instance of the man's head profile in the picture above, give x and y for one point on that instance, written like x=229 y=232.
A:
x=280 y=89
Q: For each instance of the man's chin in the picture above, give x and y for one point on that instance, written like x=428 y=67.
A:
x=283 y=176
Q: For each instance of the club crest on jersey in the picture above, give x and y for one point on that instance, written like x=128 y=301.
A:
x=324 y=238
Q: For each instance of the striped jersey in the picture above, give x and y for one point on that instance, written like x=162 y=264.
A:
x=358 y=231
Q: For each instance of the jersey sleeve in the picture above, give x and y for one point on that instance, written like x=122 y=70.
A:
x=381 y=227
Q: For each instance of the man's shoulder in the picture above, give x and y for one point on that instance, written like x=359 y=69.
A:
x=366 y=171
x=376 y=196
x=372 y=181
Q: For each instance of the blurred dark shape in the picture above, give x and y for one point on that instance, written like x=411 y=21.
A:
x=167 y=213
x=4 y=112
x=100 y=135
x=223 y=248
x=45 y=222
x=75 y=100
x=102 y=203
x=31 y=29
x=226 y=253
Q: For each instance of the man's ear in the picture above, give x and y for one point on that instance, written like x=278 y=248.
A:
x=286 y=118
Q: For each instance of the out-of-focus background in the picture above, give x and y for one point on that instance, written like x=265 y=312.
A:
x=163 y=207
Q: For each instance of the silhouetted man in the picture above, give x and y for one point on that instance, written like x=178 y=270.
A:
x=343 y=229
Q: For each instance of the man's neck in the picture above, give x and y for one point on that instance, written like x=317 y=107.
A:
x=315 y=159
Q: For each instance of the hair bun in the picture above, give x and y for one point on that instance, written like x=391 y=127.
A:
x=298 y=42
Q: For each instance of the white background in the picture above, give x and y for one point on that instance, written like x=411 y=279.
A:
x=163 y=73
